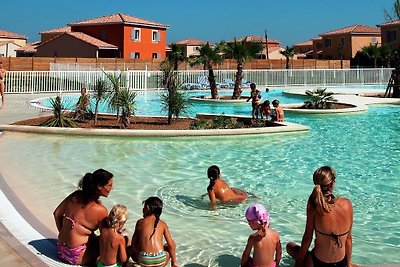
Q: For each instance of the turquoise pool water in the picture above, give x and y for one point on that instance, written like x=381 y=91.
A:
x=363 y=148
x=148 y=103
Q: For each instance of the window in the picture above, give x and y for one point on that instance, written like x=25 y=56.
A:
x=156 y=36
x=341 y=42
x=319 y=45
x=391 y=36
x=135 y=34
x=135 y=55
x=374 y=40
x=327 y=42
x=156 y=55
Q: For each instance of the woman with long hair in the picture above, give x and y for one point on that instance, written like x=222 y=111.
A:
x=79 y=215
x=331 y=219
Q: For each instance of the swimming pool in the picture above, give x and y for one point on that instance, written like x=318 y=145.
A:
x=363 y=148
x=148 y=103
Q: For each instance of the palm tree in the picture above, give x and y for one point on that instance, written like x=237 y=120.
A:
x=241 y=52
x=176 y=55
x=113 y=95
x=60 y=118
x=208 y=57
x=372 y=52
x=396 y=12
x=99 y=93
x=173 y=101
x=288 y=53
x=126 y=100
x=386 y=53
x=319 y=99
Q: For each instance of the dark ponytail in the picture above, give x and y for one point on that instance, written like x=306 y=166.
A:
x=213 y=172
x=155 y=206
x=90 y=182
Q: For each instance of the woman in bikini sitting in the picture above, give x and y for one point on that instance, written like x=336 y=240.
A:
x=79 y=215
x=331 y=218
x=218 y=189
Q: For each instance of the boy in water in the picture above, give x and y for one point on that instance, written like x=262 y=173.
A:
x=147 y=241
x=278 y=114
x=218 y=189
x=113 y=244
x=265 y=242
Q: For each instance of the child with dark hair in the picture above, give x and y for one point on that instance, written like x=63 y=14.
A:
x=113 y=244
x=147 y=242
x=265 y=110
x=277 y=114
x=218 y=189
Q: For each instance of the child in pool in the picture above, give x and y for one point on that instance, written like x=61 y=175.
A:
x=265 y=109
x=113 y=244
x=255 y=96
x=278 y=114
x=265 y=242
x=218 y=189
x=147 y=241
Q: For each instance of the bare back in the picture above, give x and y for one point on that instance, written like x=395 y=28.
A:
x=112 y=247
x=224 y=193
x=264 y=249
x=144 y=229
x=332 y=230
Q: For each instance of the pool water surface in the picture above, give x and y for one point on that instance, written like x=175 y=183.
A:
x=364 y=149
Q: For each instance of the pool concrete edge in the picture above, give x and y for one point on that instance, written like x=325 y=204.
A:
x=285 y=127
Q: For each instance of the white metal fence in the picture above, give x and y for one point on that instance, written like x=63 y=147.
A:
x=73 y=81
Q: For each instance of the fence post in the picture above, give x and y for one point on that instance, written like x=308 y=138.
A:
x=145 y=78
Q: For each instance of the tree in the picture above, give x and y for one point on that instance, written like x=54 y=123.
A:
x=396 y=12
x=288 y=53
x=319 y=99
x=126 y=100
x=173 y=101
x=99 y=93
x=241 y=52
x=386 y=54
x=113 y=95
x=372 y=52
x=176 y=55
x=209 y=56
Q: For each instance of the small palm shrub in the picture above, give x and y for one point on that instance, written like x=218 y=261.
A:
x=319 y=99
x=219 y=122
x=60 y=118
x=126 y=101
x=99 y=93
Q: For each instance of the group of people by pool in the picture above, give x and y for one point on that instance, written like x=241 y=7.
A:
x=263 y=108
x=81 y=213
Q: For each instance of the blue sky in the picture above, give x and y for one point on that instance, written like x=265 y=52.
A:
x=290 y=21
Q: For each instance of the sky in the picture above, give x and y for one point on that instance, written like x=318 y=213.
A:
x=290 y=21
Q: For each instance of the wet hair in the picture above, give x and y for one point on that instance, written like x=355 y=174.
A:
x=275 y=102
x=117 y=217
x=213 y=172
x=266 y=103
x=91 y=181
x=321 y=196
x=252 y=85
x=155 y=206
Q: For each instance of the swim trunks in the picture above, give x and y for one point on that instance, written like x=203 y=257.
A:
x=100 y=264
x=151 y=259
x=70 y=255
x=250 y=263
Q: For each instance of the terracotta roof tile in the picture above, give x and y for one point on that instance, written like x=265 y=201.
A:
x=58 y=30
x=29 y=48
x=394 y=22
x=119 y=19
x=190 y=42
x=6 y=34
x=316 y=38
x=307 y=43
x=86 y=38
x=255 y=39
x=7 y=42
x=354 y=29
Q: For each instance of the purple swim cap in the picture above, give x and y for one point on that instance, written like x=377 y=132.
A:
x=257 y=213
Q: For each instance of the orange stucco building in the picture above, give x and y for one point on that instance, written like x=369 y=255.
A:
x=116 y=35
x=390 y=32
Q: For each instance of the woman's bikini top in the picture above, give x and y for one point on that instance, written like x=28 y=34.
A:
x=338 y=242
x=74 y=223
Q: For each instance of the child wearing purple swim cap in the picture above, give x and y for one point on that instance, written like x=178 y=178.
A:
x=265 y=242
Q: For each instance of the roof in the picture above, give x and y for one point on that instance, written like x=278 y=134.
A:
x=85 y=38
x=119 y=19
x=307 y=43
x=354 y=29
x=273 y=49
x=6 y=34
x=29 y=48
x=255 y=39
x=390 y=23
x=190 y=42
x=59 y=30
